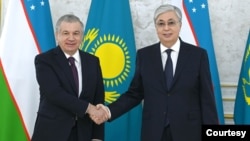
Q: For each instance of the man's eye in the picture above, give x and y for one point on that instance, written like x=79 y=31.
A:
x=161 y=24
x=65 y=33
x=171 y=23
x=76 y=33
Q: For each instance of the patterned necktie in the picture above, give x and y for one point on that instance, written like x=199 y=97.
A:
x=169 y=69
x=74 y=71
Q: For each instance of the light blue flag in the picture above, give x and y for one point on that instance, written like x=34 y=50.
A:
x=109 y=35
x=196 y=29
x=39 y=17
x=242 y=101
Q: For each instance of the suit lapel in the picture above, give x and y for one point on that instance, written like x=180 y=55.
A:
x=84 y=72
x=157 y=65
x=181 y=62
x=64 y=65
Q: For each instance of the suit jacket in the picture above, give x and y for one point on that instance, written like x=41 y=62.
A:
x=188 y=104
x=59 y=102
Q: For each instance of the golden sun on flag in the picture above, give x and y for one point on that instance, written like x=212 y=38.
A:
x=114 y=59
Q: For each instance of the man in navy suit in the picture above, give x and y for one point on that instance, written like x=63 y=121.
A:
x=65 y=104
x=178 y=112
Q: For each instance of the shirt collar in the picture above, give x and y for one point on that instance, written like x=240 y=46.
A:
x=76 y=56
x=175 y=47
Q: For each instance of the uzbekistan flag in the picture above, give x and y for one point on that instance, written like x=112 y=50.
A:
x=27 y=31
x=196 y=30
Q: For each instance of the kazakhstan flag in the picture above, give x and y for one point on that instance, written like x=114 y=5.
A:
x=109 y=35
x=242 y=101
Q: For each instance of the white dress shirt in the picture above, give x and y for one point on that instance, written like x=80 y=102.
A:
x=174 y=54
x=79 y=68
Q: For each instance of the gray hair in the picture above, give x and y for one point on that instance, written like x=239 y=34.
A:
x=166 y=8
x=70 y=18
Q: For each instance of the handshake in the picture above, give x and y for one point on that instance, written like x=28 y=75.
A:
x=98 y=113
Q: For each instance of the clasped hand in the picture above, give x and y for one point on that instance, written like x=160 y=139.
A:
x=98 y=113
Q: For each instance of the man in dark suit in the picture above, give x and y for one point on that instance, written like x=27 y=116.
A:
x=174 y=109
x=65 y=100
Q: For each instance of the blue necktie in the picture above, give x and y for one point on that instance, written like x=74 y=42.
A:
x=74 y=71
x=169 y=69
